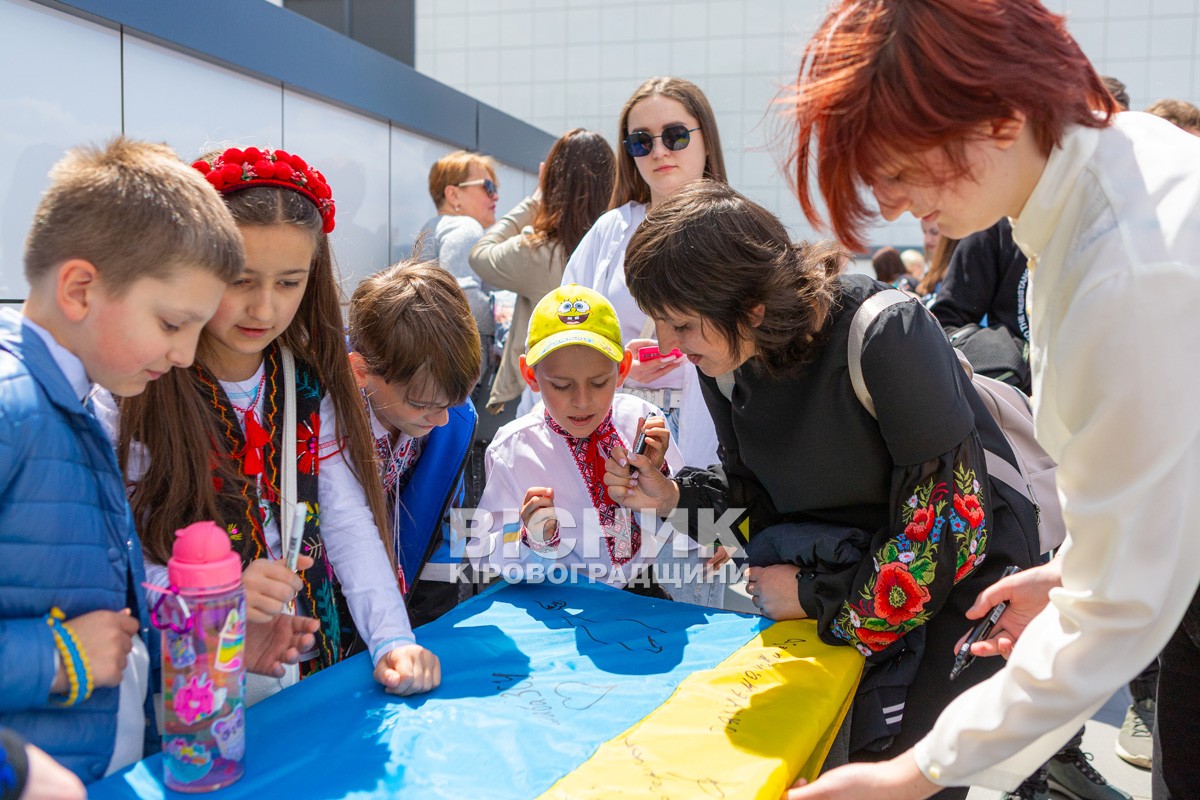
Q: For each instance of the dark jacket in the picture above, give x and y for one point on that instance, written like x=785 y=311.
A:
x=423 y=523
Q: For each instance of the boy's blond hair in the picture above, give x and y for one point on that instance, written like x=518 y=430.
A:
x=133 y=210
x=412 y=322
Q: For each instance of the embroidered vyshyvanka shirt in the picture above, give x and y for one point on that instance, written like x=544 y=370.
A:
x=531 y=452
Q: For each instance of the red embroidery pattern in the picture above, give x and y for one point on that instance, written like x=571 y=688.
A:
x=589 y=454
x=308 y=448
x=893 y=600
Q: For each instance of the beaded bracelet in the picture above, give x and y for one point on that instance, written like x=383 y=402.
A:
x=74 y=660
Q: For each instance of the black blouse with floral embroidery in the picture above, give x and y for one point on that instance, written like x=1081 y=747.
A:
x=885 y=518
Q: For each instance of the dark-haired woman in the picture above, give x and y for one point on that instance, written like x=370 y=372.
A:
x=882 y=527
x=526 y=250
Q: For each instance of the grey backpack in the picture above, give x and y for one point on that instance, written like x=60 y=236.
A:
x=1008 y=405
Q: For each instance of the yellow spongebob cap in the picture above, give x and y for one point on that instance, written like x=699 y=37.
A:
x=573 y=314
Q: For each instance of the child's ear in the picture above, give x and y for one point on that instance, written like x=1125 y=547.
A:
x=358 y=366
x=75 y=287
x=529 y=375
x=623 y=368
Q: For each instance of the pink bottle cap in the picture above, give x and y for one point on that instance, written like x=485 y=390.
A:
x=202 y=558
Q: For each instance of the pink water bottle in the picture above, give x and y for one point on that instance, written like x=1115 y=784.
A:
x=203 y=662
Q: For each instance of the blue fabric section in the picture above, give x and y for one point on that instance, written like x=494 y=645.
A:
x=66 y=540
x=534 y=679
x=438 y=477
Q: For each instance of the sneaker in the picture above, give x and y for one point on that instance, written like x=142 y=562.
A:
x=1134 y=742
x=1072 y=774
x=1034 y=788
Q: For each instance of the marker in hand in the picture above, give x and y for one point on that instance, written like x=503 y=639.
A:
x=291 y=554
x=981 y=631
x=639 y=444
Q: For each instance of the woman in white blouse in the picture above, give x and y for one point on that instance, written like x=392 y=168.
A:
x=668 y=136
x=1012 y=120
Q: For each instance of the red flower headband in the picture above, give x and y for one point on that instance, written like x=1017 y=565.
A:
x=237 y=169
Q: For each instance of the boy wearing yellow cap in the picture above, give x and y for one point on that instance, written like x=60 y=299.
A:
x=551 y=516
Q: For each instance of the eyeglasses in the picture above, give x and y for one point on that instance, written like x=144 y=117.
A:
x=489 y=186
x=674 y=137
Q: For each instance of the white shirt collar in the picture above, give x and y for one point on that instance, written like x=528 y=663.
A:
x=67 y=361
x=1040 y=217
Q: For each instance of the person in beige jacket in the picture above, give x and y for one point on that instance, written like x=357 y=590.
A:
x=526 y=250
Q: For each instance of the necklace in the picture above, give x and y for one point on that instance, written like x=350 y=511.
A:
x=251 y=396
x=256 y=436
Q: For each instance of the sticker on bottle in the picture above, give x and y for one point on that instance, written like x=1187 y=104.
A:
x=230 y=643
x=230 y=733
x=196 y=699
x=188 y=761
x=180 y=649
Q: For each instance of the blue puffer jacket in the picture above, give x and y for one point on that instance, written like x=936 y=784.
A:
x=66 y=540
x=434 y=489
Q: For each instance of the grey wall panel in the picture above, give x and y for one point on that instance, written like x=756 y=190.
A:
x=352 y=151
x=412 y=207
x=52 y=98
x=194 y=105
x=305 y=55
x=98 y=81
x=510 y=139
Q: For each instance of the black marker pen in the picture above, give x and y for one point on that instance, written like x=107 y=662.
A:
x=639 y=444
x=981 y=631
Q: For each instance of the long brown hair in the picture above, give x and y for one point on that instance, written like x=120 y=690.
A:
x=937 y=265
x=630 y=186
x=747 y=260
x=576 y=186
x=183 y=475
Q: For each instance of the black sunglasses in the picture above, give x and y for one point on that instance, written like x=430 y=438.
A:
x=489 y=187
x=674 y=137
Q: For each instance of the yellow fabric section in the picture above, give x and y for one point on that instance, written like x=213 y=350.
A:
x=744 y=729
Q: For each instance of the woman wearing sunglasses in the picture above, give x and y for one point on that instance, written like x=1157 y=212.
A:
x=668 y=138
x=1014 y=122
x=464 y=190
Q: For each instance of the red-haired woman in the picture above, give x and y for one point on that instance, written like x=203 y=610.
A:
x=963 y=112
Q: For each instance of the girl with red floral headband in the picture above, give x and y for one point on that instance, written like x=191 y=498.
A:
x=212 y=441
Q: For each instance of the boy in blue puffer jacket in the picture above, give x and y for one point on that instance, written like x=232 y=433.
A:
x=128 y=256
x=415 y=354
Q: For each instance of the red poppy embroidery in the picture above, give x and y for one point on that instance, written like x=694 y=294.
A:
x=308 y=435
x=969 y=508
x=964 y=568
x=898 y=596
x=922 y=523
x=937 y=517
x=876 y=640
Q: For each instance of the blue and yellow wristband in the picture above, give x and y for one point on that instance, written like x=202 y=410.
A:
x=74 y=660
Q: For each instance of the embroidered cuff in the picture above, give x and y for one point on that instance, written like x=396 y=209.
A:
x=541 y=548
x=539 y=521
